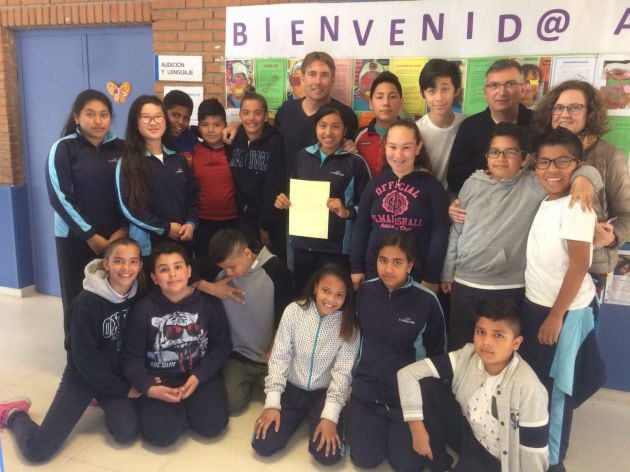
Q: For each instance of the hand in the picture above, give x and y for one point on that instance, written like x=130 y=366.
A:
x=357 y=280
x=121 y=232
x=582 y=190
x=264 y=238
x=166 y=394
x=447 y=287
x=456 y=213
x=189 y=387
x=604 y=235
x=222 y=289
x=350 y=146
x=229 y=132
x=421 y=439
x=186 y=232
x=327 y=432
x=282 y=202
x=98 y=244
x=431 y=286
x=265 y=420
x=337 y=207
x=173 y=233
x=549 y=331
x=133 y=393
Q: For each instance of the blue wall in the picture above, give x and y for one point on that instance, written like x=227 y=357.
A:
x=16 y=265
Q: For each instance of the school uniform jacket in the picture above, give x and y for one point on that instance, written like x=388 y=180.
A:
x=259 y=173
x=348 y=175
x=415 y=205
x=309 y=353
x=371 y=146
x=97 y=322
x=397 y=329
x=174 y=340
x=520 y=403
x=174 y=195
x=81 y=186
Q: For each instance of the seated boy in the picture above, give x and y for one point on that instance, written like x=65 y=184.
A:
x=385 y=101
x=179 y=107
x=494 y=415
x=558 y=313
x=486 y=254
x=440 y=82
x=217 y=198
x=176 y=343
x=256 y=158
x=268 y=288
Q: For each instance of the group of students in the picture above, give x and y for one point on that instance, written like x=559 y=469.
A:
x=358 y=306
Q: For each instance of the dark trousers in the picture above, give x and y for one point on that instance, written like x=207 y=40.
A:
x=463 y=308
x=306 y=263
x=446 y=425
x=206 y=229
x=40 y=443
x=377 y=432
x=540 y=357
x=297 y=404
x=205 y=412
x=72 y=257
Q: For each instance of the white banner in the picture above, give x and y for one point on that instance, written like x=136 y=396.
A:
x=429 y=28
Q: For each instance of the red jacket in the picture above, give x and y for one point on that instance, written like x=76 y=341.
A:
x=217 y=200
x=371 y=147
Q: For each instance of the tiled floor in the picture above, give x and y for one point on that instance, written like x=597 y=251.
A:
x=33 y=359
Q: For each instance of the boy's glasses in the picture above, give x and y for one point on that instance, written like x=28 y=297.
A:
x=509 y=85
x=158 y=119
x=572 y=108
x=509 y=153
x=563 y=162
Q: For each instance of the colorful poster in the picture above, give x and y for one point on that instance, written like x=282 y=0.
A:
x=238 y=76
x=342 y=90
x=294 y=87
x=475 y=100
x=408 y=71
x=365 y=71
x=536 y=73
x=572 y=68
x=612 y=77
x=269 y=79
x=619 y=134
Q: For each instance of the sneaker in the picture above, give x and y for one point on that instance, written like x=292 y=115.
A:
x=11 y=406
x=556 y=468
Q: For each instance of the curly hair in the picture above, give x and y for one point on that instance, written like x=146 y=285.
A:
x=596 y=115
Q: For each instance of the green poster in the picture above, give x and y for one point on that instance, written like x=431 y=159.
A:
x=474 y=101
x=269 y=75
x=619 y=134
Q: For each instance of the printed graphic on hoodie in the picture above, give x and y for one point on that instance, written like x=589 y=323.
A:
x=113 y=326
x=396 y=203
x=250 y=159
x=180 y=342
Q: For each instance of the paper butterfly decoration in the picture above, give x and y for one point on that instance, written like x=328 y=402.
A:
x=119 y=92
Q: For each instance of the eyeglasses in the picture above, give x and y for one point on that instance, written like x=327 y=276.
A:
x=173 y=332
x=563 y=162
x=572 y=108
x=509 y=85
x=509 y=153
x=146 y=119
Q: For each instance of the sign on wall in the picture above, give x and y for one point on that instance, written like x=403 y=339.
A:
x=179 y=68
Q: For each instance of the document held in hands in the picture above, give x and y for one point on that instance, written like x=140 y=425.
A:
x=308 y=213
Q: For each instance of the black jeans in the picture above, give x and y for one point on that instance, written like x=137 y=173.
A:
x=40 y=443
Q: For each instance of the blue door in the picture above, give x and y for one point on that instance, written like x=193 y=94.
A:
x=54 y=66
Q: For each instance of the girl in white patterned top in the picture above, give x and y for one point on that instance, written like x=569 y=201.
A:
x=310 y=368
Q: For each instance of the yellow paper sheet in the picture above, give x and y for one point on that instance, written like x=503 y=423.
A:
x=308 y=213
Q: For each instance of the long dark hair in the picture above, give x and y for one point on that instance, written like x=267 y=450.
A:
x=349 y=325
x=82 y=99
x=134 y=166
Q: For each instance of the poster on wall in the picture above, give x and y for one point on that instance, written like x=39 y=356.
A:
x=269 y=79
x=536 y=74
x=572 y=68
x=294 y=86
x=238 y=76
x=408 y=71
x=342 y=89
x=618 y=281
x=612 y=77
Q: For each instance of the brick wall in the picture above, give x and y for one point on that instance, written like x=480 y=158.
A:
x=195 y=27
